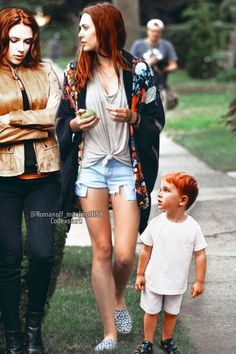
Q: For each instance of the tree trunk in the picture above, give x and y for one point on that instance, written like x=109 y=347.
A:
x=130 y=12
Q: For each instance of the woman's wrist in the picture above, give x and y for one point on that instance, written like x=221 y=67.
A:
x=135 y=121
x=74 y=125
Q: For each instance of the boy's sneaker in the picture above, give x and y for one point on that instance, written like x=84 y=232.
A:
x=168 y=346
x=144 y=348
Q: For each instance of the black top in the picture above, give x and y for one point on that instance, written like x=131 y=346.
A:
x=30 y=158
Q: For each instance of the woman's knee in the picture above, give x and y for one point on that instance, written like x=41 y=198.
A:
x=124 y=262
x=102 y=253
x=40 y=253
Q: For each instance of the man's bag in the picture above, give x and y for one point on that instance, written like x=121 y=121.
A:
x=172 y=97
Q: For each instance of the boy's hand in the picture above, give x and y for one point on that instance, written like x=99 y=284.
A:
x=139 y=283
x=197 y=289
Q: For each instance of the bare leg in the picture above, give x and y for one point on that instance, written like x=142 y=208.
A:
x=169 y=322
x=150 y=325
x=102 y=276
x=126 y=216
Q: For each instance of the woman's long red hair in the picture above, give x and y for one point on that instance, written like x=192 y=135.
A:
x=11 y=17
x=111 y=37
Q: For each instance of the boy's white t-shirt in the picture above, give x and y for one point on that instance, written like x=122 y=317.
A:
x=173 y=246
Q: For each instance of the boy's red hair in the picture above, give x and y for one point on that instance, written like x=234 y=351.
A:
x=185 y=183
x=111 y=37
x=11 y=17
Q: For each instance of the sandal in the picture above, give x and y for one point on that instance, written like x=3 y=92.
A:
x=168 y=346
x=145 y=348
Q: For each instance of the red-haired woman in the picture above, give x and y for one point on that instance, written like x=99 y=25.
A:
x=117 y=152
x=29 y=161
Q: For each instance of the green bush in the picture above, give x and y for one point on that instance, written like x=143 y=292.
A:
x=227 y=75
x=222 y=33
x=200 y=59
x=178 y=35
x=228 y=11
x=67 y=42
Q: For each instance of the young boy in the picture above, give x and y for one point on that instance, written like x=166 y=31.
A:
x=170 y=240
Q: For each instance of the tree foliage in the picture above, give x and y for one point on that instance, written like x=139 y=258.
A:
x=30 y=5
x=200 y=60
x=64 y=20
x=59 y=10
x=168 y=10
x=171 y=11
x=227 y=11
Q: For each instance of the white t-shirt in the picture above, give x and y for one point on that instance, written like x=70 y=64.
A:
x=173 y=246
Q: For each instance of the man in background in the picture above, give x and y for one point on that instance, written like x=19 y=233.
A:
x=158 y=53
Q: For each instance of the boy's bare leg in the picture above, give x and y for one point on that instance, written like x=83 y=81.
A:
x=150 y=325
x=169 y=322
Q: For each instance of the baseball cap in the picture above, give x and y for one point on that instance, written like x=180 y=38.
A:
x=154 y=23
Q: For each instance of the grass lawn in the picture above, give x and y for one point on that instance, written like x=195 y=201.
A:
x=73 y=324
x=197 y=125
x=186 y=84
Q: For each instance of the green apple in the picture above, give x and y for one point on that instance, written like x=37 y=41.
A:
x=88 y=113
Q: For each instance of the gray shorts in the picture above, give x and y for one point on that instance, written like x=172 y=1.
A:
x=153 y=303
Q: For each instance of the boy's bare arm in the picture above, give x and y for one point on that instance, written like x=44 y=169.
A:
x=144 y=257
x=200 y=260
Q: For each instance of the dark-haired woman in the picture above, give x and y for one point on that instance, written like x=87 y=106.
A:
x=116 y=150
x=29 y=161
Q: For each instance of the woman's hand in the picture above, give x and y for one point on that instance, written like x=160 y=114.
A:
x=123 y=115
x=84 y=124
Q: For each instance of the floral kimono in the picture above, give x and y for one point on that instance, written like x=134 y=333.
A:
x=143 y=97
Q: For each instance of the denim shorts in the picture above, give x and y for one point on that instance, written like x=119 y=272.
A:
x=112 y=176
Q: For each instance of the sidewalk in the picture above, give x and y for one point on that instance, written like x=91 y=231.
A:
x=210 y=319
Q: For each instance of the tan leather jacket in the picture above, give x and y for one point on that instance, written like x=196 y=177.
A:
x=36 y=124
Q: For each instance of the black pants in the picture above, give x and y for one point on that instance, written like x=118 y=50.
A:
x=36 y=199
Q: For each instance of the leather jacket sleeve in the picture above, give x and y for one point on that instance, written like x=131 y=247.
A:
x=10 y=134
x=42 y=119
